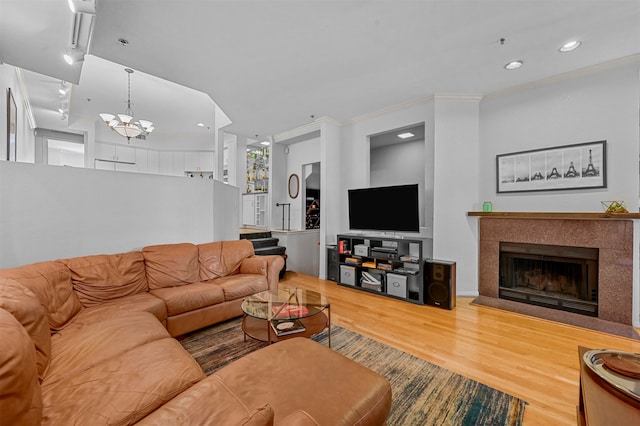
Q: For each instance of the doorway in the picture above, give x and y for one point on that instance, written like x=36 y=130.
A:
x=311 y=189
x=65 y=153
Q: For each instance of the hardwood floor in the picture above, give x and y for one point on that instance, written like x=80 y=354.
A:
x=530 y=358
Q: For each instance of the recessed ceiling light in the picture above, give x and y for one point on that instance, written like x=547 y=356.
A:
x=200 y=124
x=568 y=47
x=265 y=143
x=513 y=65
x=405 y=135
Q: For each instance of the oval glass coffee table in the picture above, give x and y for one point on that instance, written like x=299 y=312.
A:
x=286 y=313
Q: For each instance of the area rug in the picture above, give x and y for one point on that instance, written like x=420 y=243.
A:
x=423 y=393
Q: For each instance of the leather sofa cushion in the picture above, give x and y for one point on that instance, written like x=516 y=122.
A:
x=337 y=390
x=189 y=298
x=242 y=285
x=170 y=265
x=208 y=402
x=222 y=258
x=141 y=302
x=262 y=416
x=51 y=282
x=97 y=335
x=100 y=278
x=20 y=396
x=26 y=308
x=123 y=388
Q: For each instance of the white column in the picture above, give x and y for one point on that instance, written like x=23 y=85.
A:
x=330 y=160
x=456 y=187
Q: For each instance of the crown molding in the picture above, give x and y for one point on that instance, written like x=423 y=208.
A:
x=626 y=60
x=329 y=120
x=390 y=109
x=474 y=97
x=298 y=131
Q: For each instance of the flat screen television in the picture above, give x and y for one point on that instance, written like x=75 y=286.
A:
x=385 y=208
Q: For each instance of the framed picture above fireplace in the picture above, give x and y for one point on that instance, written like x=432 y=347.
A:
x=577 y=166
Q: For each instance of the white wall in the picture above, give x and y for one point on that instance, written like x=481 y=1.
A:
x=49 y=212
x=225 y=205
x=598 y=106
x=400 y=164
x=456 y=166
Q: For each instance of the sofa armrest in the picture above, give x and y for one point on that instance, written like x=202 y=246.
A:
x=275 y=263
x=254 y=265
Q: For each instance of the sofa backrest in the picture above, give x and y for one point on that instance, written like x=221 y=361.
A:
x=222 y=258
x=32 y=315
x=51 y=282
x=20 y=393
x=171 y=265
x=100 y=278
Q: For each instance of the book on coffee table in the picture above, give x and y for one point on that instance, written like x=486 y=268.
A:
x=290 y=310
x=286 y=327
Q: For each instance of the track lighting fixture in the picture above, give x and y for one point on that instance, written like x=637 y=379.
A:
x=73 y=56
x=80 y=6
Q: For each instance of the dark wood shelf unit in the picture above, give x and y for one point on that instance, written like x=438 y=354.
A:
x=397 y=282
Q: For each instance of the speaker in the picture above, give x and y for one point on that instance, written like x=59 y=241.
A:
x=440 y=283
x=333 y=262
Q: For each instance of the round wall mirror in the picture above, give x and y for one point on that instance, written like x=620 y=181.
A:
x=294 y=185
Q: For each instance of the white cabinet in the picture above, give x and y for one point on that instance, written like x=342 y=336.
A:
x=248 y=210
x=115 y=153
x=254 y=210
x=141 y=160
x=178 y=163
x=171 y=163
x=166 y=162
x=153 y=162
x=115 y=157
x=198 y=161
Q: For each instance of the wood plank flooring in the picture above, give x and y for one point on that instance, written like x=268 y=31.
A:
x=530 y=358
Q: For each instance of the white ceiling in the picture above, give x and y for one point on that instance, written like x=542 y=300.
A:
x=270 y=65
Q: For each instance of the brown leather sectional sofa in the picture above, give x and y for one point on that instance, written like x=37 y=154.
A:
x=88 y=341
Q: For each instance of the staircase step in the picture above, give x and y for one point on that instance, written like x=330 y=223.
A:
x=255 y=235
x=264 y=251
x=264 y=242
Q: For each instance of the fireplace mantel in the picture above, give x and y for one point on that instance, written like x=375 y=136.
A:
x=557 y=215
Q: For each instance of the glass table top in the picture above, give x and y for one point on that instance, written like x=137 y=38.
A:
x=285 y=303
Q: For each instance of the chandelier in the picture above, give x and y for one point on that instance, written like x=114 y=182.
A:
x=124 y=124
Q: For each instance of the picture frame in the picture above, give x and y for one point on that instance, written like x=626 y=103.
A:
x=12 y=127
x=576 y=166
x=294 y=185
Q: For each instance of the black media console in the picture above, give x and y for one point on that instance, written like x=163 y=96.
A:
x=390 y=266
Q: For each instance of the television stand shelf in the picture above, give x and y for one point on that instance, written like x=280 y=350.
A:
x=389 y=266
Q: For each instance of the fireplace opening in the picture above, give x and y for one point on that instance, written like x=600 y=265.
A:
x=558 y=277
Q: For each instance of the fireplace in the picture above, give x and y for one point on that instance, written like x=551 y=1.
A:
x=613 y=239
x=557 y=277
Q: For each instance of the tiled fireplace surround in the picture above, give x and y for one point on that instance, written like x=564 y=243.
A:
x=613 y=238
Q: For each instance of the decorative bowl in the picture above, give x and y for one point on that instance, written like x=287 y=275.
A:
x=614 y=207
